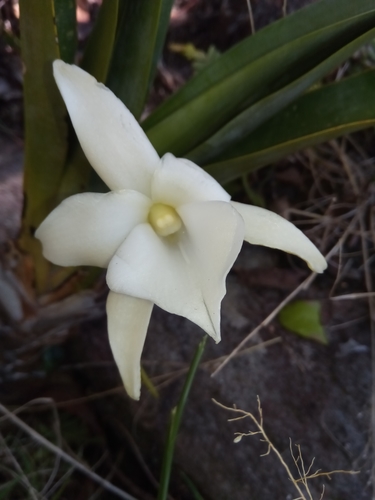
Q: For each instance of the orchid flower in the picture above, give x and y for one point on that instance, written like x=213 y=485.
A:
x=167 y=231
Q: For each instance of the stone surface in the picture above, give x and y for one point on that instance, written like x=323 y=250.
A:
x=317 y=396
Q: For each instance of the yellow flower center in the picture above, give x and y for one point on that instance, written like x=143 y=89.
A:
x=164 y=219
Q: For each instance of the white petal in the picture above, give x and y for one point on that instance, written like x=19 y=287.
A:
x=213 y=239
x=87 y=229
x=128 y=320
x=112 y=140
x=266 y=228
x=178 y=181
x=152 y=268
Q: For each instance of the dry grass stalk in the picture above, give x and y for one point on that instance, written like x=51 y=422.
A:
x=303 y=286
x=304 y=474
x=251 y=17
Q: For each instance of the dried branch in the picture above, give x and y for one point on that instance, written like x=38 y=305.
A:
x=303 y=473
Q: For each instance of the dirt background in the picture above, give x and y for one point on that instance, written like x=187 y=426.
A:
x=315 y=396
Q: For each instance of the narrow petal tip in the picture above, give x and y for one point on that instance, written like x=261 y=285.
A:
x=318 y=264
x=111 y=138
x=58 y=65
x=128 y=319
x=266 y=228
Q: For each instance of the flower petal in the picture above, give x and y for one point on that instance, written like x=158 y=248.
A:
x=87 y=229
x=110 y=136
x=213 y=239
x=153 y=268
x=184 y=274
x=178 y=181
x=271 y=230
x=128 y=320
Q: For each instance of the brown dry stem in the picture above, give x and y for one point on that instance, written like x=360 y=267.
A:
x=303 y=286
x=304 y=474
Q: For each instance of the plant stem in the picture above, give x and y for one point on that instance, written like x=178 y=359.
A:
x=175 y=420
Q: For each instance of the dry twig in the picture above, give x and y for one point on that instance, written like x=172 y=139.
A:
x=303 y=473
x=251 y=17
x=303 y=286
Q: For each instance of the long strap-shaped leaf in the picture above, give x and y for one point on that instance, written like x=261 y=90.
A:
x=65 y=18
x=140 y=37
x=227 y=141
x=45 y=128
x=312 y=18
x=317 y=116
x=255 y=68
x=98 y=53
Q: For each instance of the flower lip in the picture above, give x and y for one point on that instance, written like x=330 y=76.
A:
x=164 y=219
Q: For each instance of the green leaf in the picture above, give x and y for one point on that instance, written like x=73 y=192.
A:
x=303 y=317
x=256 y=68
x=319 y=115
x=98 y=53
x=65 y=18
x=224 y=144
x=163 y=24
x=139 y=41
x=312 y=18
x=45 y=126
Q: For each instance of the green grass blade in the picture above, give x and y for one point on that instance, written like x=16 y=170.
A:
x=255 y=69
x=140 y=37
x=315 y=117
x=45 y=125
x=223 y=144
x=175 y=421
x=65 y=18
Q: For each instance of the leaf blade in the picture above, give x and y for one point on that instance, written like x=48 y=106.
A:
x=44 y=124
x=224 y=143
x=240 y=77
x=97 y=56
x=65 y=18
x=315 y=117
x=303 y=318
x=134 y=61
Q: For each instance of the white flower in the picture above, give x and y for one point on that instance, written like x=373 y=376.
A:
x=167 y=230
